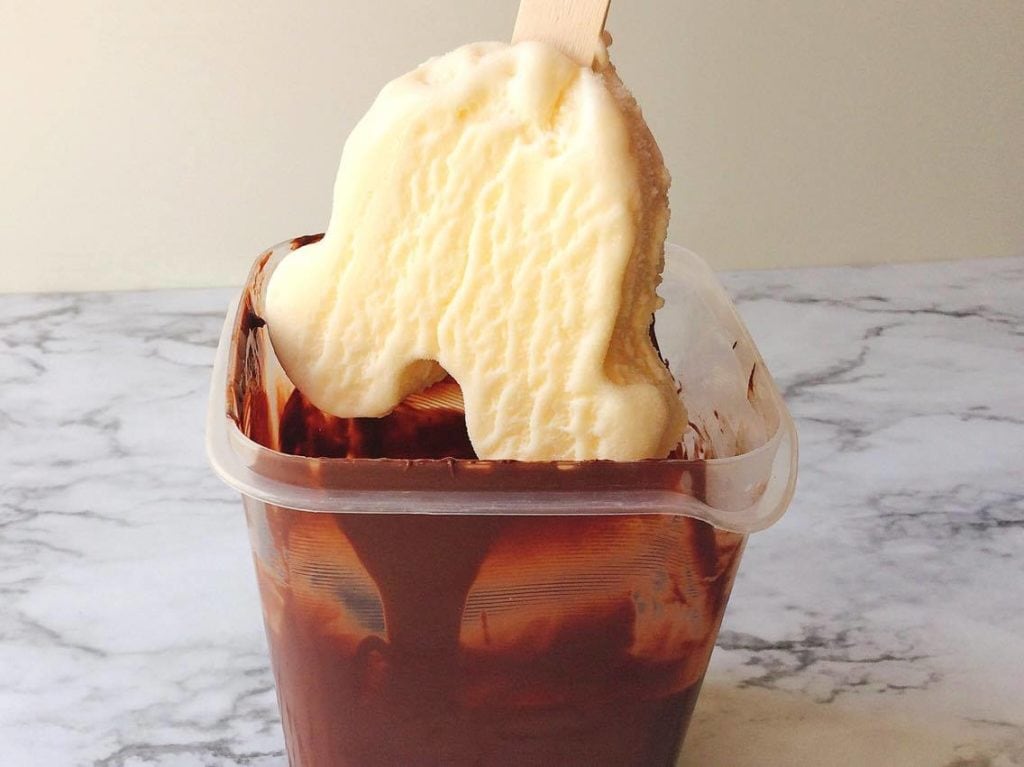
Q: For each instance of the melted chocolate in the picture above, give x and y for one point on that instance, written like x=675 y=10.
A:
x=423 y=640
x=420 y=640
x=407 y=432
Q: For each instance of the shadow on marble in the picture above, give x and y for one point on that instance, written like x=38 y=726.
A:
x=752 y=727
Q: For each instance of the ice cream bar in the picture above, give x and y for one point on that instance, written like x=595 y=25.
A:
x=499 y=215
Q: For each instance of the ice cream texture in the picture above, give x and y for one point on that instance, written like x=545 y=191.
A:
x=500 y=215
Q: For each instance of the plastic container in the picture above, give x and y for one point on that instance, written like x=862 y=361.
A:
x=461 y=612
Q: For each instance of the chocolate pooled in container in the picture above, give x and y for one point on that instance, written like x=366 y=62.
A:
x=479 y=634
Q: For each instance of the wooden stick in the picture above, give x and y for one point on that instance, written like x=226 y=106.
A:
x=573 y=26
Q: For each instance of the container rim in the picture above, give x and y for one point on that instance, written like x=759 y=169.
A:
x=470 y=486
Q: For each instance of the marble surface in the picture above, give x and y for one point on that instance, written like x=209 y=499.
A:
x=881 y=622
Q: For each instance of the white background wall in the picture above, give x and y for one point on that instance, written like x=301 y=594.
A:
x=147 y=144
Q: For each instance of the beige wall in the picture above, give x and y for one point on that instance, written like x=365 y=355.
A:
x=149 y=144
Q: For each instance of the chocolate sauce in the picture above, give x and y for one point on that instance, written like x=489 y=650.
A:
x=407 y=432
x=421 y=640
x=426 y=640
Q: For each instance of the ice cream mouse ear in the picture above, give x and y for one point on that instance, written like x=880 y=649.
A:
x=499 y=214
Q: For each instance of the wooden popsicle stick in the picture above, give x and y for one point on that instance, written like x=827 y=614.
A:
x=572 y=26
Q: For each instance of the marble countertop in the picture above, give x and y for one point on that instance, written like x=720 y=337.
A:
x=881 y=622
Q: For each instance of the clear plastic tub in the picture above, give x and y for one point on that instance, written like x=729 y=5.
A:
x=462 y=612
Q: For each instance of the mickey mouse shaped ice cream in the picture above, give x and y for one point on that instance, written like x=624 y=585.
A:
x=499 y=215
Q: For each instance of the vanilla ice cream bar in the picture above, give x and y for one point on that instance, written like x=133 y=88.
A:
x=499 y=214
